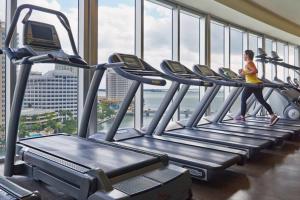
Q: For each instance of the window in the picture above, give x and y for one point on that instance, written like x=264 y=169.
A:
x=115 y=17
x=157 y=47
x=236 y=57
x=255 y=42
x=236 y=49
x=189 y=56
x=269 y=67
x=281 y=54
x=47 y=78
x=217 y=39
x=2 y=78
x=291 y=54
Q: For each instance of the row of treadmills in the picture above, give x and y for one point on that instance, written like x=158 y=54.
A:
x=128 y=163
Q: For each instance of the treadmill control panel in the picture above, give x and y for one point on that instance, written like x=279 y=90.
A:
x=176 y=67
x=229 y=73
x=205 y=70
x=132 y=62
x=40 y=37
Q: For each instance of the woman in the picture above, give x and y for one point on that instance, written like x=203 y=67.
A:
x=250 y=73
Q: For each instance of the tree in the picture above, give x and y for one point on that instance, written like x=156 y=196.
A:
x=104 y=111
x=23 y=129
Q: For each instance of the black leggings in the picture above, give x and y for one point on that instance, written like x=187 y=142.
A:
x=259 y=96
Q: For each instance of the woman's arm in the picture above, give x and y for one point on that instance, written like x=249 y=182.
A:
x=251 y=69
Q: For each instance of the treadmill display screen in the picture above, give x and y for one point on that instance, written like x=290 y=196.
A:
x=176 y=67
x=41 y=32
x=230 y=74
x=206 y=71
x=133 y=62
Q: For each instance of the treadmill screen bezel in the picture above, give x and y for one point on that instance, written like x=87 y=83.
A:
x=138 y=65
x=175 y=70
x=226 y=70
x=211 y=72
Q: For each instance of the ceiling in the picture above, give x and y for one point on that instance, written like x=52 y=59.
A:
x=288 y=9
x=252 y=14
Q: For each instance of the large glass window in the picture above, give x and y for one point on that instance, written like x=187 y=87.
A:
x=291 y=72
x=217 y=40
x=2 y=78
x=281 y=54
x=50 y=102
x=189 y=56
x=116 y=25
x=236 y=57
x=157 y=47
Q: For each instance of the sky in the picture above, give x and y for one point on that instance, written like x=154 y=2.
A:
x=116 y=32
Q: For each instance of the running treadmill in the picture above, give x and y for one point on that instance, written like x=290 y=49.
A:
x=218 y=118
x=203 y=160
x=79 y=168
x=11 y=191
x=262 y=122
x=216 y=125
x=251 y=143
x=290 y=93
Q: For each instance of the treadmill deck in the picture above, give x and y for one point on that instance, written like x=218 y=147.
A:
x=91 y=155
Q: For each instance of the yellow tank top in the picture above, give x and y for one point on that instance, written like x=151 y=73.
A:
x=251 y=78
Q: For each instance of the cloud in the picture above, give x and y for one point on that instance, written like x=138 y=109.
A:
x=2 y=10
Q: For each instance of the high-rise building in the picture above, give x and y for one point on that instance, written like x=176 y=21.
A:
x=2 y=82
x=116 y=86
x=55 y=90
x=74 y=70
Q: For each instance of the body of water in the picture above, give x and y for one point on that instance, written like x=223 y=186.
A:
x=152 y=100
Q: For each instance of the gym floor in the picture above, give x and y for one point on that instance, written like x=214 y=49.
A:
x=272 y=175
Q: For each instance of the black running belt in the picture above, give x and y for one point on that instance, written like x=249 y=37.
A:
x=226 y=127
x=186 y=153
x=92 y=155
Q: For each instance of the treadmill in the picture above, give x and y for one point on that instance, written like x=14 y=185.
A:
x=195 y=121
x=251 y=143
x=290 y=93
x=203 y=160
x=81 y=169
x=261 y=122
x=11 y=191
x=218 y=118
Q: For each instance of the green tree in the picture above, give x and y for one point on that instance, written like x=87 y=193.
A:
x=23 y=129
x=104 y=111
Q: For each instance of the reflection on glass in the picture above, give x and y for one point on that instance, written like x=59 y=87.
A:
x=50 y=102
x=189 y=56
x=157 y=47
x=2 y=78
x=115 y=34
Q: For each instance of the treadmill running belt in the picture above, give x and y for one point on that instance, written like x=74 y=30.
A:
x=257 y=143
x=224 y=127
x=189 y=153
x=258 y=124
x=92 y=155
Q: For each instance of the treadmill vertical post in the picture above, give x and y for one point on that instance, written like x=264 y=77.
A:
x=122 y=111
x=162 y=107
x=172 y=109
x=16 y=107
x=88 y=105
x=202 y=106
x=227 y=105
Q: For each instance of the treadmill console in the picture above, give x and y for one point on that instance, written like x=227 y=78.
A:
x=204 y=70
x=132 y=62
x=40 y=37
x=176 y=67
x=229 y=74
x=275 y=56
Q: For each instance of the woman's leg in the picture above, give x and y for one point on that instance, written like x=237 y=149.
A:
x=259 y=96
x=245 y=95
